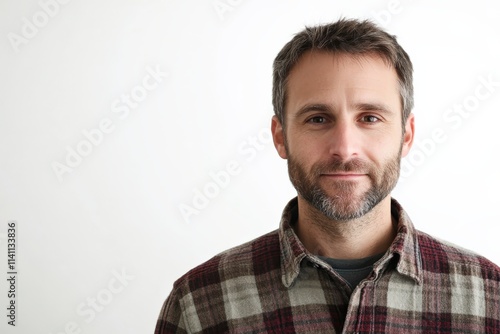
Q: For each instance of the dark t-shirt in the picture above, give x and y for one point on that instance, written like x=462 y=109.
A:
x=353 y=271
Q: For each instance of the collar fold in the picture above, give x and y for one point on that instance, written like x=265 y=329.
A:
x=405 y=246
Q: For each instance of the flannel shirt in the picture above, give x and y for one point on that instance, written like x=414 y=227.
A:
x=274 y=285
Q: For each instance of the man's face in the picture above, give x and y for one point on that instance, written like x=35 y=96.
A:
x=343 y=137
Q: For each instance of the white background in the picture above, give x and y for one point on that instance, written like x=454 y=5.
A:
x=117 y=212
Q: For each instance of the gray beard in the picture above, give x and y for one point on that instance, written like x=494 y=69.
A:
x=341 y=206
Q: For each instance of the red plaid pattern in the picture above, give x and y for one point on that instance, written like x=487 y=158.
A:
x=273 y=285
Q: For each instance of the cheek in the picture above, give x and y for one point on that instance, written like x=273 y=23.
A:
x=380 y=152
x=307 y=153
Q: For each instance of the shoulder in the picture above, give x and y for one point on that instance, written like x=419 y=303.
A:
x=442 y=256
x=262 y=253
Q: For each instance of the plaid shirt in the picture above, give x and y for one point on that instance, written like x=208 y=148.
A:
x=274 y=285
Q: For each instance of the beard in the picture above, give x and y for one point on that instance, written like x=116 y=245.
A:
x=347 y=202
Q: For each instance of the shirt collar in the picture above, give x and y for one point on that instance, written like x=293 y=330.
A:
x=404 y=249
x=405 y=244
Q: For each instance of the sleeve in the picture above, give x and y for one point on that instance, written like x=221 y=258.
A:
x=171 y=319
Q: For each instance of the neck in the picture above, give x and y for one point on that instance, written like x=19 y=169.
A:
x=368 y=235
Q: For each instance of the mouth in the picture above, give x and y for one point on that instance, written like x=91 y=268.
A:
x=344 y=175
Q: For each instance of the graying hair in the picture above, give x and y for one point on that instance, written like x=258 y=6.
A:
x=344 y=36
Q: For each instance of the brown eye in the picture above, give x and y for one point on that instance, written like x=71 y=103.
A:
x=370 y=119
x=317 y=120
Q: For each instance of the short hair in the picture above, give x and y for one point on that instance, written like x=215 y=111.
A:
x=348 y=36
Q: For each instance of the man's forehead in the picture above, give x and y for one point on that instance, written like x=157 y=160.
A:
x=368 y=79
x=337 y=58
x=319 y=70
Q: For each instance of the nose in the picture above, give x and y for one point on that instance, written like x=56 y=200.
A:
x=343 y=140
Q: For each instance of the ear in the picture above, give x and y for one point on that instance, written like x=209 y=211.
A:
x=278 y=137
x=408 y=135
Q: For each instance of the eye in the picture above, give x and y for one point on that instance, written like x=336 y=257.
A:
x=317 y=120
x=370 y=119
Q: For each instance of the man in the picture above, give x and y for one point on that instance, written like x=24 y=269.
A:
x=346 y=257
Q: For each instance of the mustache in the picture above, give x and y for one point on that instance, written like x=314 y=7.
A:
x=337 y=165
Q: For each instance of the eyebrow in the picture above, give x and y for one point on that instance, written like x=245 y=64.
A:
x=307 y=108
x=373 y=107
x=311 y=107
